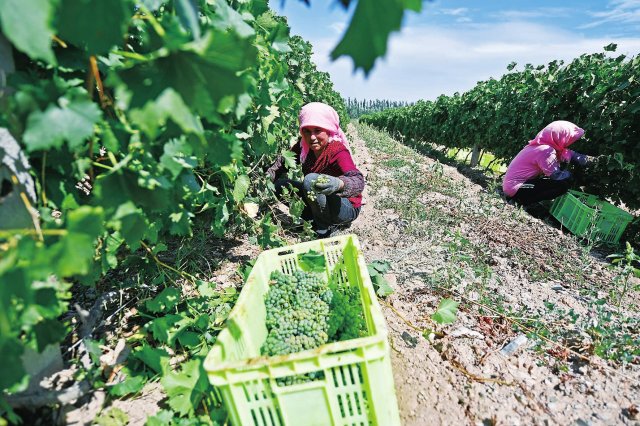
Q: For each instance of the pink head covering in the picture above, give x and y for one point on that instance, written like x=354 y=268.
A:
x=559 y=135
x=318 y=114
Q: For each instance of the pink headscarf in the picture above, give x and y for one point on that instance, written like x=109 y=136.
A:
x=559 y=135
x=318 y=114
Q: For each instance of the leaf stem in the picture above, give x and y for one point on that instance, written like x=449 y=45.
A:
x=33 y=212
x=132 y=55
x=104 y=166
x=183 y=274
x=148 y=16
x=395 y=311
x=95 y=72
x=8 y=233
x=455 y=364
x=59 y=41
x=43 y=178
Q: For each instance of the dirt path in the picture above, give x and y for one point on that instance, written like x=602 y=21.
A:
x=448 y=237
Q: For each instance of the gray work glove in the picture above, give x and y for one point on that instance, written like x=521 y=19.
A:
x=326 y=184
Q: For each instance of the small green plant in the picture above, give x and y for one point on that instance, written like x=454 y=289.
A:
x=627 y=262
x=377 y=269
x=113 y=417
x=446 y=312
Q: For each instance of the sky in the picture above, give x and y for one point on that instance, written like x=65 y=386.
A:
x=453 y=44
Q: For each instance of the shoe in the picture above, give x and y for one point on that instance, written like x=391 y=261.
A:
x=328 y=232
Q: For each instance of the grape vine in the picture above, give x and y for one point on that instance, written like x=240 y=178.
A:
x=597 y=91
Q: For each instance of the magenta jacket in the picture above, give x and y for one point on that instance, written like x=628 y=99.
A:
x=340 y=166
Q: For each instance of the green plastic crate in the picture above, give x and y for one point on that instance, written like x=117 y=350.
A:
x=354 y=384
x=582 y=213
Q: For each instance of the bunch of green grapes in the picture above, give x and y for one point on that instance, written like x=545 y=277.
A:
x=297 y=313
x=346 y=320
x=322 y=179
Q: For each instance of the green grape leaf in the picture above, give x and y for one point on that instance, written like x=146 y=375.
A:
x=94 y=350
x=226 y=17
x=165 y=301
x=246 y=269
x=122 y=186
x=155 y=358
x=279 y=36
x=446 y=312
x=71 y=121
x=187 y=11
x=206 y=289
x=180 y=222
x=86 y=220
x=49 y=331
x=382 y=286
x=216 y=57
x=296 y=207
x=11 y=369
x=27 y=24
x=94 y=25
x=258 y=7
x=378 y=266
x=74 y=253
x=366 y=37
x=154 y=114
x=269 y=114
x=312 y=261
x=109 y=251
x=108 y=137
x=127 y=386
x=224 y=149
x=289 y=159
x=111 y=417
x=376 y=270
x=49 y=298
x=189 y=339
x=187 y=387
x=130 y=221
x=278 y=32
x=69 y=202
x=240 y=187
x=218 y=225
x=162 y=418
x=167 y=329
x=267 y=236
x=177 y=156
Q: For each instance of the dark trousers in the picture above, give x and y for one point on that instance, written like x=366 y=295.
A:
x=326 y=211
x=539 y=189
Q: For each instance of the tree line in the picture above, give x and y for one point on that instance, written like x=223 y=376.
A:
x=356 y=107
